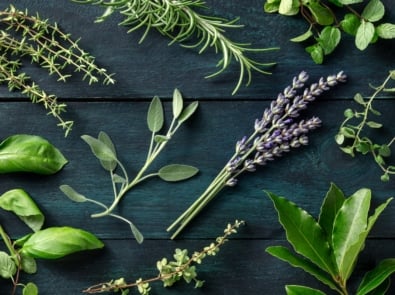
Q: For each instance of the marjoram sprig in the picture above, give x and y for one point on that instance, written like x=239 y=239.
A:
x=182 y=23
x=274 y=134
x=183 y=267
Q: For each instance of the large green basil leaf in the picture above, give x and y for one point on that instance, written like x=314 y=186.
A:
x=56 y=242
x=19 y=202
x=30 y=153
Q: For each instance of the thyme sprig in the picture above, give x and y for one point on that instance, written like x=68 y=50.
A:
x=179 y=21
x=170 y=272
x=352 y=136
x=23 y=35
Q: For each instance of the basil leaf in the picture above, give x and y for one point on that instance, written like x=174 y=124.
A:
x=30 y=153
x=7 y=265
x=21 y=204
x=155 y=117
x=177 y=172
x=56 y=242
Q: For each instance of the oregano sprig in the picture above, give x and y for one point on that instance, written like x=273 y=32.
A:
x=352 y=136
x=326 y=26
x=27 y=36
x=182 y=22
x=183 y=267
x=104 y=150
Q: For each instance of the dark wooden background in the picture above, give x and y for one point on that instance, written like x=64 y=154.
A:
x=207 y=141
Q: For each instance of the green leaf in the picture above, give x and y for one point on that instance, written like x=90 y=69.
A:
x=155 y=118
x=161 y=138
x=350 y=23
x=363 y=147
x=288 y=7
x=30 y=153
x=177 y=172
x=373 y=11
x=304 y=233
x=272 y=6
x=372 y=219
x=349 y=230
x=188 y=112
x=348 y=113
x=339 y=138
x=321 y=14
x=316 y=53
x=348 y=150
x=136 y=233
x=303 y=37
x=72 y=194
x=7 y=265
x=331 y=205
x=100 y=149
x=377 y=276
x=104 y=138
x=386 y=31
x=30 y=289
x=384 y=150
x=56 y=242
x=347 y=2
x=348 y=132
x=365 y=34
x=358 y=98
x=286 y=255
x=20 y=203
x=373 y=124
x=329 y=39
x=178 y=103
x=302 y=290
x=28 y=264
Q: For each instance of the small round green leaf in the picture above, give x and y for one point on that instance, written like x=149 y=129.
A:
x=385 y=150
x=365 y=34
x=28 y=264
x=316 y=53
x=7 y=266
x=339 y=138
x=288 y=7
x=373 y=11
x=177 y=172
x=30 y=289
x=373 y=124
x=329 y=39
x=321 y=14
x=386 y=31
x=350 y=23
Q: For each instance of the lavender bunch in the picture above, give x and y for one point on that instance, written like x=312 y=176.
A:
x=274 y=134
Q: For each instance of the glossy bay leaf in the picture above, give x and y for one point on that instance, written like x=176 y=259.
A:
x=376 y=276
x=56 y=242
x=304 y=233
x=30 y=153
x=302 y=290
x=21 y=204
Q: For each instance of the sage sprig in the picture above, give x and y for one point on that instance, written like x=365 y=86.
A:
x=182 y=22
x=48 y=243
x=353 y=137
x=104 y=150
x=326 y=26
x=276 y=133
x=47 y=45
x=183 y=267
x=328 y=248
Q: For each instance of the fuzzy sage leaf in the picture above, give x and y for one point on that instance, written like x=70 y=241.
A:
x=100 y=149
x=155 y=117
x=177 y=172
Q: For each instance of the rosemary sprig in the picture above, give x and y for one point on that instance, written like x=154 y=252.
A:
x=179 y=21
x=23 y=35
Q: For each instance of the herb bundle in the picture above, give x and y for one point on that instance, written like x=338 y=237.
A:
x=274 y=134
x=181 y=22
x=182 y=267
x=325 y=28
x=23 y=35
x=328 y=248
x=50 y=243
x=352 y=136
x=104 y=150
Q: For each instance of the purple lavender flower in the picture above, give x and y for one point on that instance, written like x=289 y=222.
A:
x=275 y=133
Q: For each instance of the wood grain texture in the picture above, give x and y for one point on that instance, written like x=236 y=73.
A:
x=207 y=141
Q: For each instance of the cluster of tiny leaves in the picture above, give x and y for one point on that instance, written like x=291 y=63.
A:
x=352 y=136
x=182 y=267
x=325 y=28
x=46 y=44
x=182 y=22
x=104 y=150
